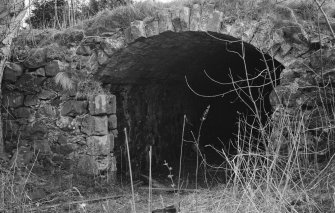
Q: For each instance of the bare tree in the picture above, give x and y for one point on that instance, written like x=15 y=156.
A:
x=12 y=13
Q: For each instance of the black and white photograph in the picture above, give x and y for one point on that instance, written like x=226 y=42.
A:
x=167 y=106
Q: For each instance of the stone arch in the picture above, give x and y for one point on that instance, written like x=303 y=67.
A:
x=280 y=36
x=267 y=36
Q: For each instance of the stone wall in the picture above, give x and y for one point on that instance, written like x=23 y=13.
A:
x=69 y=128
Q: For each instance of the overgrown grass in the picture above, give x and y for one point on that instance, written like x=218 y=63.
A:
x=281 y=177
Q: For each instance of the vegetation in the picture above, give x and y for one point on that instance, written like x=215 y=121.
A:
x=261 y=180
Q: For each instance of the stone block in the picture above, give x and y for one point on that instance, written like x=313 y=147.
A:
x=115 y=132
x=36 y=58
x=113 y=167
x=92 y=64
x=180 y=18
x=46 y=111
x=13 y=99
x=30 y=100
x=102 y=57
x=206 y=15
x=215 y=21
x=164 y=21
x=151 y=27
x=84 y=50
x=127 y=35
x=99 y=145
x=137 y=30
x=54 y=67
x=47 y=94
x=12 y=72
x=112 y=122
x=195 y=17
x=103 y=163
x=28 y=83
x=94 y=125
x=42 y=146
x=102 y=104
x=23 y=112
x=184 y=16
x=37 y=130
x=87 y=165
x=64 y=149
x=39 y=72
x=110 y=45
x=73 y=108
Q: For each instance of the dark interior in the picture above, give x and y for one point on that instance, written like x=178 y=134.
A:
x=153 y=79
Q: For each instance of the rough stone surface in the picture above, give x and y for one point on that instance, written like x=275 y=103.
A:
x=206 y=15
x=13 y=99
x=164 y=21
x=30 y=100
x=73 y=108
x=112 y=122
x=54 y=67
x=29 y=84
x=42 y=146
x=12 y=72
x=137 y=29
x=151 y=27
x=23 y=112
x=102 y=57
x=39 y=72
x=94 y=125
x=214 y=21
x=84 y=50
x=36 y=58
x=66 y=123
x=87 y=165
x=102 y=104
x=195 y=18
x=180 y=19
x=46 y=94
x=99 y=145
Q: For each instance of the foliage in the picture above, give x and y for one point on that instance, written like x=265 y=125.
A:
x=43 y=15
x=98 y=5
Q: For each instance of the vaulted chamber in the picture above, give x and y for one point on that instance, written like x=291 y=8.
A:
x=165 y=83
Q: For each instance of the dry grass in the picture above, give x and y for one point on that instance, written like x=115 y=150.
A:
x=260 y=182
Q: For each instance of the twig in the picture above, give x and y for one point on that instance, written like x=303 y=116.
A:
x=150 y=179
x=181 y=154
x=169 y=189
x=71 y=203
x=130 y=171
x=326 y=17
